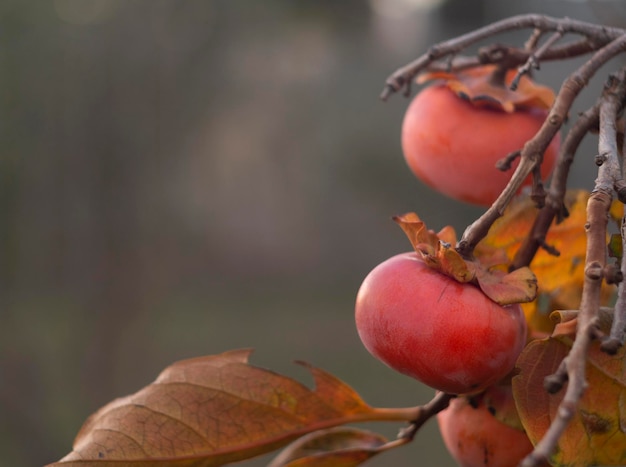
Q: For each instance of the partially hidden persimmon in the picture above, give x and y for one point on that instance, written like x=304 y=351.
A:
x=457 y=129
x=484 y=430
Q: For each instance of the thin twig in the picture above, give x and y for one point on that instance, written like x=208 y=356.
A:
x=432 y=408
x=618 y=329
x=401 y=79
x=554 y=205
x=533 y=60
x=533 y=40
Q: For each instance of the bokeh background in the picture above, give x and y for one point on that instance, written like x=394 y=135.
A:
x=181 y=178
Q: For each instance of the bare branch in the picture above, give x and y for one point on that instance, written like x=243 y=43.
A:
x=596 y=227
x=533 y=150
x=555 y=206
x=533 y=40
x=533 y=60
x=617 y=336
x=596 y=37
x=427 y=411
x=598 y=208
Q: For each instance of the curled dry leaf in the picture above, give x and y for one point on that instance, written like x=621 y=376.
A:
x=561 y=277
x=334 y=447
x=597 y=433
x=215 y=410
x=437 y=251
x=478 y=86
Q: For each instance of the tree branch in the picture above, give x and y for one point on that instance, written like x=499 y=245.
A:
x=555 y=205
x=597 y=219
x=596 y=37
x=598 y=207
x=533 y=150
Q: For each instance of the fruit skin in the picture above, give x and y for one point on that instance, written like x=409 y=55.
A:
x=453 y=146
x=426 y=325
x=474 y=435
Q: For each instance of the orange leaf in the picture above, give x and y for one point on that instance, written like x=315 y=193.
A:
x=595 y=435
x=477 y=86
x=335 y=447
x=214 y=410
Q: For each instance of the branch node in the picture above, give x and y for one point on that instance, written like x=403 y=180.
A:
x=554 y=383
x=550 y=249
x=611 y=345
x=620 y=189
x=600 y=159
x=506 y=162
x=613 y=274
x=593 y=270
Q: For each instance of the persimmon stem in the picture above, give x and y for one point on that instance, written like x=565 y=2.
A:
x=428 y=410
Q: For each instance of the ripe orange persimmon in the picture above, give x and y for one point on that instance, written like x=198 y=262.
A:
x=443 y=333
x=453 y=144
x=475 y=435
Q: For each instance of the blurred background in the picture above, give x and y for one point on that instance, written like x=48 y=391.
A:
x=181 y=178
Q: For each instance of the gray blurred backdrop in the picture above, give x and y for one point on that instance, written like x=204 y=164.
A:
x=180 y=178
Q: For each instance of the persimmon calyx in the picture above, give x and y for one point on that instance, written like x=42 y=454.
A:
x=476 y=85
x=438 y=253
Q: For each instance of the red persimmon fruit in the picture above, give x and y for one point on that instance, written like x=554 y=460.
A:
x=443 y=333
x=453 y=145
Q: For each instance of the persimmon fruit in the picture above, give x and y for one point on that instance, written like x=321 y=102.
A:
x=446 y=334
x=484 y=430
x=452 y=145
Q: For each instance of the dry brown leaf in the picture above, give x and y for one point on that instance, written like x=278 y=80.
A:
x=335 y=447
x=214 y=410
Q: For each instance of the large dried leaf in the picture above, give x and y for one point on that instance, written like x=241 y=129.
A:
x=560 y=278
x=335 y=447
x=209 y=411
x=438 y=253
x=597 y=433
x=477 y=86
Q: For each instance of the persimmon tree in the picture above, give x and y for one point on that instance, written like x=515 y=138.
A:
x=552 y=249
